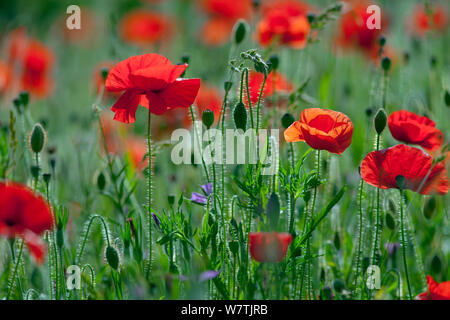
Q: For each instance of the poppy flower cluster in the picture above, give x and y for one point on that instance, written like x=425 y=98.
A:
x=269 y=246
x=285 y=22
x=436 y=291
x=322 y=129
x=152 y=81
x=223 y=14
x=34 y=62
x=143 y=27
x=26 y=215
x=381 y=168
x=408 y=127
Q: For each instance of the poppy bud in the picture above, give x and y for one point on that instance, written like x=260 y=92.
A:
x=382 y=41
x=17 y=104
x=59 y=236
x=185 y=58
x=171 y=199
x=256 y=3
x=311 y=17
x=273 y=211
x=286 y=120
x=390 y=222
x=337 y=241
x=35 y=172
x=400 y=182
x=104 y=73
x=101 y=181
x=386 y=63
x=275 y=61
x=112 y=257
x=338 y=285
x=380 y=121
x=52 y=163
x=24 y=97
x=433 y=61
x=37 y=138
x=369 y=112
x=208 y=118
x=227 y=85
x=239 y=31
x=46 y=177
x=447 y=98
x=240 y=116
x=436 y=264
x=429 y=208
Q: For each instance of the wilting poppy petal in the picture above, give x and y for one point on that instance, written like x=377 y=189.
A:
x=436 y=291
x=181 y=93
x=408 y=127
x=322 y=129
x=126 y=106
x=380 y=169
x=269 y=246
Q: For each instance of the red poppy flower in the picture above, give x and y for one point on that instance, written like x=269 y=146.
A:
x=322 y=129
x=149 y=80
x=24 y=214
x=286 y=22
x=136 y=150
x=380 y=169
x=436 y=291
x=276 y=83
x=420 y=24
x=353 y=31
x=5 y=76
x=209 y=98
x=269 y=246
x=408 y=127
x=223 y=14
x=143 y=27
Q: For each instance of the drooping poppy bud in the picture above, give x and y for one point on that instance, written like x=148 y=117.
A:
x=240 y=116
x=37 y=138
x=208 y=118
x=286 y=120
x=112 y=257
x=239 y=31
x=380 y=121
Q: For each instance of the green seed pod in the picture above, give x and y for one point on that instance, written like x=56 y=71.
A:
x=429 y=208
x=24 y=97
x=382 y=41
x=273 y=211
x=239 y=31
x=112 y=257
x=338 y=285
x=337 y=241
x=436 y=264
x=101 y=181
x=275 y=61
x=386 y=64
x=380 y=121
x=37 y=138
x=240 y=116
x=171 y=199
x=286 y=120
x=104 y=73
x=185 y=58
x=390 y=222
x=227 y=85
x=447 y=98
x=208 y=118
x=59 y=236
x=47 y=177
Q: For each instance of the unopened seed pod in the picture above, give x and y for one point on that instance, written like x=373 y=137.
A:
x=208 y=118
x=273 y=211
x=37 y=138
x=240 y=116
x=101 y=181
x=380 y=121
x=239 y=31
x=447 y=98
x=386 y=63
x=112 y=257
x=286 y=120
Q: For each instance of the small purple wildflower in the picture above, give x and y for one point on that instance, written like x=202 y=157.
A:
x=202 y=198
x=208 y=275
x=155 y=218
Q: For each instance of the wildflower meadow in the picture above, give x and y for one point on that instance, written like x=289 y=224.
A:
x=224 y=150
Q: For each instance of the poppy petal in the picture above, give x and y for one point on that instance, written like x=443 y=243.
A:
x=126 y=106
x=293 y=133
x=154 y=103
x=181 y=93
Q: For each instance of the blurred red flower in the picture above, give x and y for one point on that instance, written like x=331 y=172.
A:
x=322 y=129
x=353 y=32
x=143 y=27
x=149 y=80
x=286 y=22
x=223 y=14
x=24 y=214
x=380 y=169
x=209 y=98
x=136 y=149
x=408 y=127
x=269 y=246
x=420 y=23
x=33 y=60
x=436 y=291
x=276 y=82
x=5 y=77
